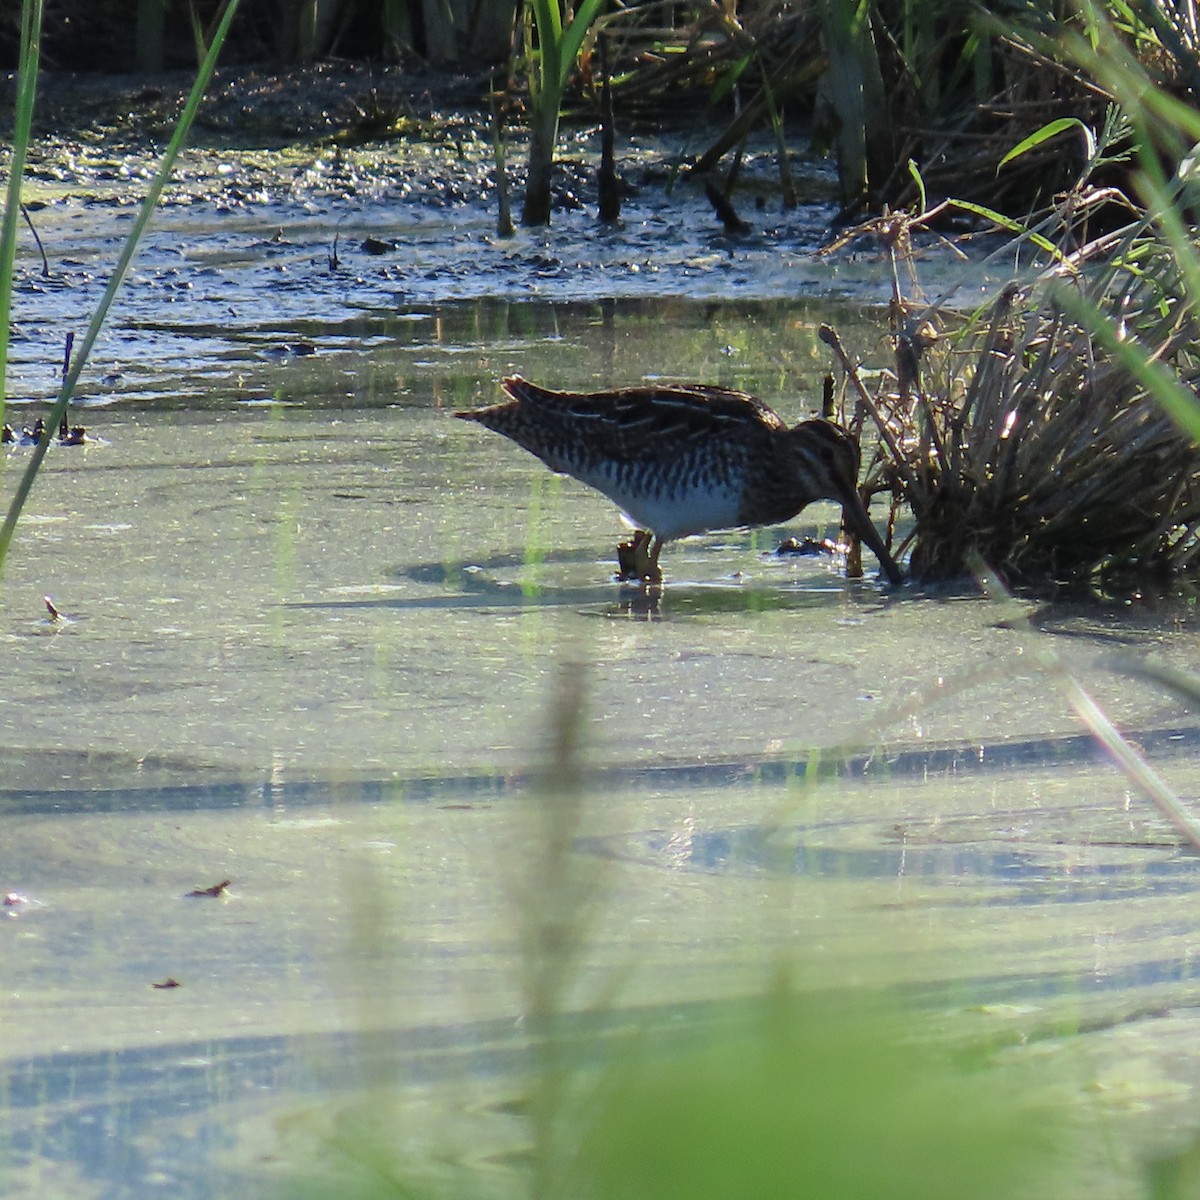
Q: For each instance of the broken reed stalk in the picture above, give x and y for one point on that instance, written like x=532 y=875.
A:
x=830 y=337
x=504 y=222
x=37 y=240
x=607 y=185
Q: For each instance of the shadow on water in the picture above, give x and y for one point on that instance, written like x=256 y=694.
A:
x=502 y=581
x=769 y=772
x=1019 y=876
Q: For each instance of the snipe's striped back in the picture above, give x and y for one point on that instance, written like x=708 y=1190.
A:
x=686 y=458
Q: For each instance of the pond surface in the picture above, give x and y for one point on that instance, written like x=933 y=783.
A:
x=315 y=637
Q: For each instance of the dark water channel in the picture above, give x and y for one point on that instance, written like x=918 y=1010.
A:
x=314 y=634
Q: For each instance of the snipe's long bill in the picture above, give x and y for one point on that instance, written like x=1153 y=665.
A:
x=687 y=458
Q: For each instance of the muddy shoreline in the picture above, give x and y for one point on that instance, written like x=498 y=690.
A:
x=285 y=223
x=248 y=106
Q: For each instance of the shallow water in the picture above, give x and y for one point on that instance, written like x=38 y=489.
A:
x=313 y=634
x=253 y=252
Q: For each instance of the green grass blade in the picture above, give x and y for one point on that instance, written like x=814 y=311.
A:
x=31 y=29
x=1048 y=131
x=548 y=21
x=725 y=82
x=572 y=38
x=1164 y=201
x=182 y=129
x=1134 y=767
x=1157 y=378
x=1009 y=225
x=1184 y=685
x=1093 y=718
x=922 y=197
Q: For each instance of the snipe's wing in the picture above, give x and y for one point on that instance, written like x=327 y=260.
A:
x=629 y=424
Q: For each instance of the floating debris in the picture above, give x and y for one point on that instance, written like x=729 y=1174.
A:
x=377 y=246
x=217 y=889
x=806 y=546
x=68 y=435
x=286 y=350
x=16 y=903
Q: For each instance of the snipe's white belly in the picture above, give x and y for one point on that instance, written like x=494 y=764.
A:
x=692 y=508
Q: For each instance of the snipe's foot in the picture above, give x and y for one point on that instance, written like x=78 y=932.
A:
x=636 y=560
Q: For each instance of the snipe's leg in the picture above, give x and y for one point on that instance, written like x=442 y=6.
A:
x=637 y=559
x=654 y=572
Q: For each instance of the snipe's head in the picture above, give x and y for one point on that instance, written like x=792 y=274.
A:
x=826 y=461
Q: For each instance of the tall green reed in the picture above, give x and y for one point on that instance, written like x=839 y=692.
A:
x=31 y=30
x=858 y=97
x=551 y=60
x=31 y=17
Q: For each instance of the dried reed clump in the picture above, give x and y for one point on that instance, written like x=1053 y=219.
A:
x=1023 y=441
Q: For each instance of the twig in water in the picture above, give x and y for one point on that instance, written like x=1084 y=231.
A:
x=607 y=184
x=504 y=222
x=724 y=209
x=829 y=336
x=41 y=248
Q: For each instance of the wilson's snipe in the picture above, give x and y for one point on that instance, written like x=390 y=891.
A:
x=686 y=458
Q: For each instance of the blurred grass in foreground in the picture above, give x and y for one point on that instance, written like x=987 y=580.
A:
x=812 y=1094
x=847 y=1093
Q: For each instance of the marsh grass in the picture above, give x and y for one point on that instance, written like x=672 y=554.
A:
x=885 y=83
x=1052 y=434
x=30 y=46
x=1036 y=447
x=31 y=24
x=556 y=897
